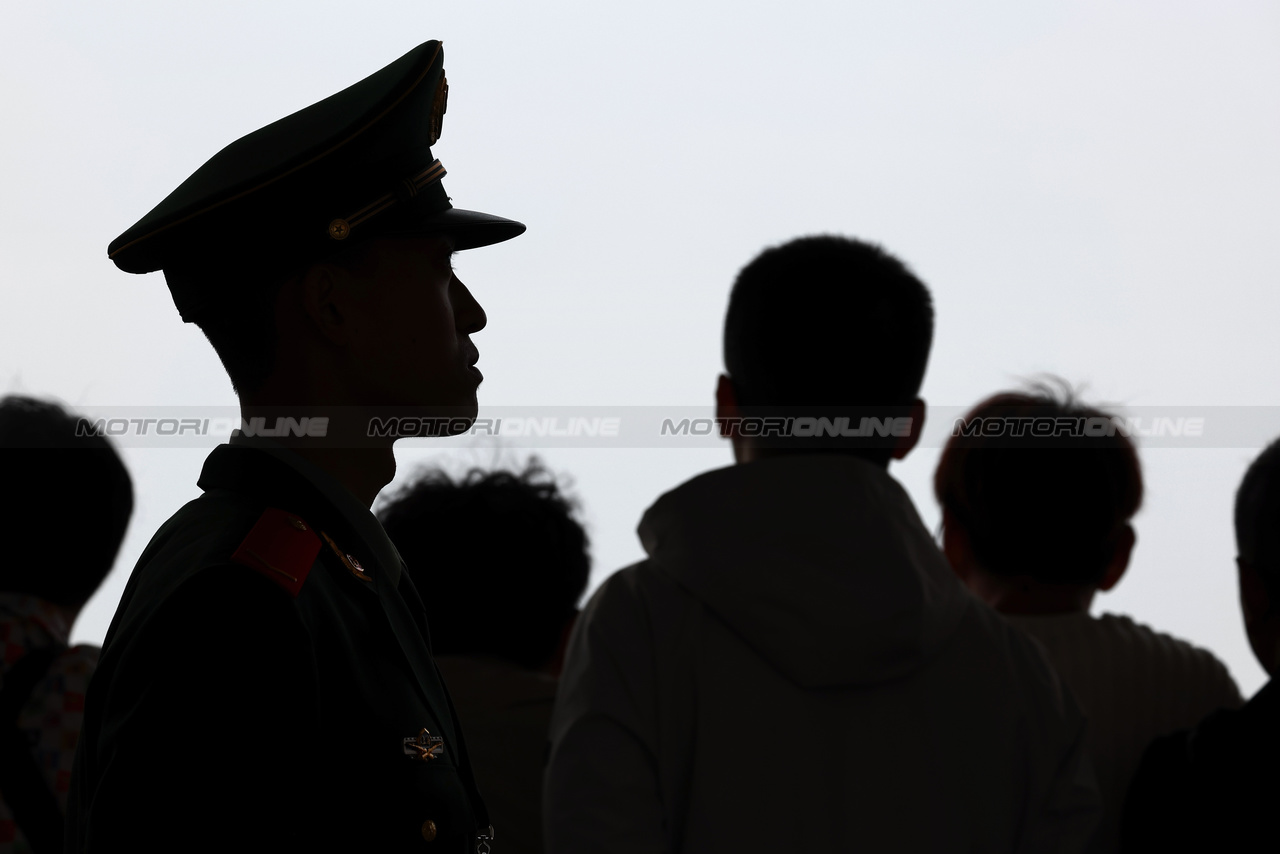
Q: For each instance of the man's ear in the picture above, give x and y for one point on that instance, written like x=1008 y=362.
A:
x=1119 y=558
x=905 y=444
x=1254 y=601
x=1261 y=620
x=727 y=414
x=326 y=294
x=726 y=404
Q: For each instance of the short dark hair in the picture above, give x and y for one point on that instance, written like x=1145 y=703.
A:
x=68 y=499
x=239 y=317
x=1049 y=507
x=827 y=321
x=244 y=336
x=1257 y=518
x=499 y=557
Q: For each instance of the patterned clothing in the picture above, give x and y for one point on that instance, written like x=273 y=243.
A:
x=52 y=715
x=1134 y=684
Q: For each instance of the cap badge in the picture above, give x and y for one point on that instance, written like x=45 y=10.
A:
x=424 y=746
x=438 y=106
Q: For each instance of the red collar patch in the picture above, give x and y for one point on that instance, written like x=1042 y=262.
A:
x=282 y=547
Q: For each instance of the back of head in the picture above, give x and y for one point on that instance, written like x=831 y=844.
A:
x=1257 y=518
x=1049 y=503
x=827 y=322
x=498 y=557
x=68 y=498
x=241 y=325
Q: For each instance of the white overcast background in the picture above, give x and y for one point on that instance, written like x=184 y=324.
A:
x=1089 y=188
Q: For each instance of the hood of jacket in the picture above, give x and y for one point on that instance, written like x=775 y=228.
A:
x=819 y=563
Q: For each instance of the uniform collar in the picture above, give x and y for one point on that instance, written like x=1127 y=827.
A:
x=358 y=517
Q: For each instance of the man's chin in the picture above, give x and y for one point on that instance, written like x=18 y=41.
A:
x=462 y=404
x=424 y=420
x=423 y=423
x=451 y=420
x=470 y=409
x=459 y=425
x=457 y=419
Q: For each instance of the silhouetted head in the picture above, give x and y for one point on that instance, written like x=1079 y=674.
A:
x=67 y=502
x=384 y=322
x=498 y=557
x=1039 y=493
x=1257 y=523
x=315 y=252
x=822 y=327
x=242 y=327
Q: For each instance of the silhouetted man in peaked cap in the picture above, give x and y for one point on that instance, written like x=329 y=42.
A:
x=267 y=682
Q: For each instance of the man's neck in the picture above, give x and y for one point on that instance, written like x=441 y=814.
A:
x=1036 y=599
x=748 y=452
x=342 y=449
x=363 y=471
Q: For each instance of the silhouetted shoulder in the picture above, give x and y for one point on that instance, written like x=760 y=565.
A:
x=207 y=660
x=1179 y=657
x=215 y=626
x=640 y=598
x=201 y=537
x=1211 y=787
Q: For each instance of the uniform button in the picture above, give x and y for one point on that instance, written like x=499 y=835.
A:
x=429 y=830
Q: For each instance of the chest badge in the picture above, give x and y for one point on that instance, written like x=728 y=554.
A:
x=424 y=746
x=349 y=561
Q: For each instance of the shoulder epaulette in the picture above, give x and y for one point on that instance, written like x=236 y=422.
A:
x=282 y=547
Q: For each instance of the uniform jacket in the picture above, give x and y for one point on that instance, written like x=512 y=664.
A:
x=228 y=713
x=795 y=668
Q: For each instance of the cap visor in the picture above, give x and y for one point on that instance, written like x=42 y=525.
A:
x=469 y=229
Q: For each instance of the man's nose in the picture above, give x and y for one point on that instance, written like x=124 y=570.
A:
x=468 y=314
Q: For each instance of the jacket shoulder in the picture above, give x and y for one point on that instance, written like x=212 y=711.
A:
x=229 y=530
x=642 y=587
x=1188 y=668
x=641 y=613
x=228 y=536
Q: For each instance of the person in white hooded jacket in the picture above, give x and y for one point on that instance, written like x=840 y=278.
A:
x=795 y=667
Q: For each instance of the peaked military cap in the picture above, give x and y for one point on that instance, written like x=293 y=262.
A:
x=356 y=165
